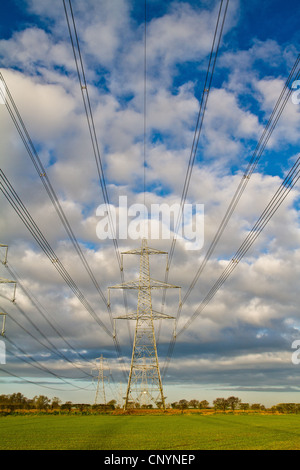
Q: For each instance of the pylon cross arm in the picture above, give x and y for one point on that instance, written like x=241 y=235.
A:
x=140 y=251
x=155 y=316
x=136 y=284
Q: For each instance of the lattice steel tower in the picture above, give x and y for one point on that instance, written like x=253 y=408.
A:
x=144 y=376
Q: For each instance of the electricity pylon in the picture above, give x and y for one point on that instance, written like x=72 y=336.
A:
x=144 y=376
x=100 y=391
x=7 y=281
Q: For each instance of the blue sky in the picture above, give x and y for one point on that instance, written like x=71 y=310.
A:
x=241 y=343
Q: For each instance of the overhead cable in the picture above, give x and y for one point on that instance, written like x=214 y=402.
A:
x=280 y=195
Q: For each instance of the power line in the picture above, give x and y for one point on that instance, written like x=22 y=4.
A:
x=201 y=114
x=90 y=118
x=52 y=351
x=25 y=137
x=37 y=364
x=277 y=199
x=260 y=147
x=35 y=303
x=26 y=218
x=36 y=383
x=92 y=130
x=284 y=189
x=53 y=348
x=89 y=114
x=40 y=309
x=200 y=118
x=264 y=139
x=145 y=97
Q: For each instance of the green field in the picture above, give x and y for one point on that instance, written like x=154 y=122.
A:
x=178 y=432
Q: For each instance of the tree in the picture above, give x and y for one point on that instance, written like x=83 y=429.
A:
x=220 y=404
x=55 y=403
x=82 y=407
x=286 y=407
x=67 y=406
x=233 y=402
x=41 y=402
x=17 y=399
x=203 y=404
x=112 y=404
x=194 y=403
x=255 y=406
x=244 y=406
x=183 y=404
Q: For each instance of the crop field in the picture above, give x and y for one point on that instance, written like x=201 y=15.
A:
x=178 y=432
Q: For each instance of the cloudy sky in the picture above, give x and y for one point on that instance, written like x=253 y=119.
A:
x=145 y=97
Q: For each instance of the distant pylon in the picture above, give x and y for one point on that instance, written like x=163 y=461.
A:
x=144 y=377
x=100 y=391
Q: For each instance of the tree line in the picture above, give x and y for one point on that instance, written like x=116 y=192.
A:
x=234 y=403
x=17 y=401
x=230 y=403
x=41 y=402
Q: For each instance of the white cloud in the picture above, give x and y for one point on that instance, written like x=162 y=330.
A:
x=226 y=124
x=46 y=109
x=34 y=49
x=288 y=125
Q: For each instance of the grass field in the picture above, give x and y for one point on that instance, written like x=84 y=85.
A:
x=185 y=432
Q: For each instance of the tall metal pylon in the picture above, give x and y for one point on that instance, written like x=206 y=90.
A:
x=144 y=376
